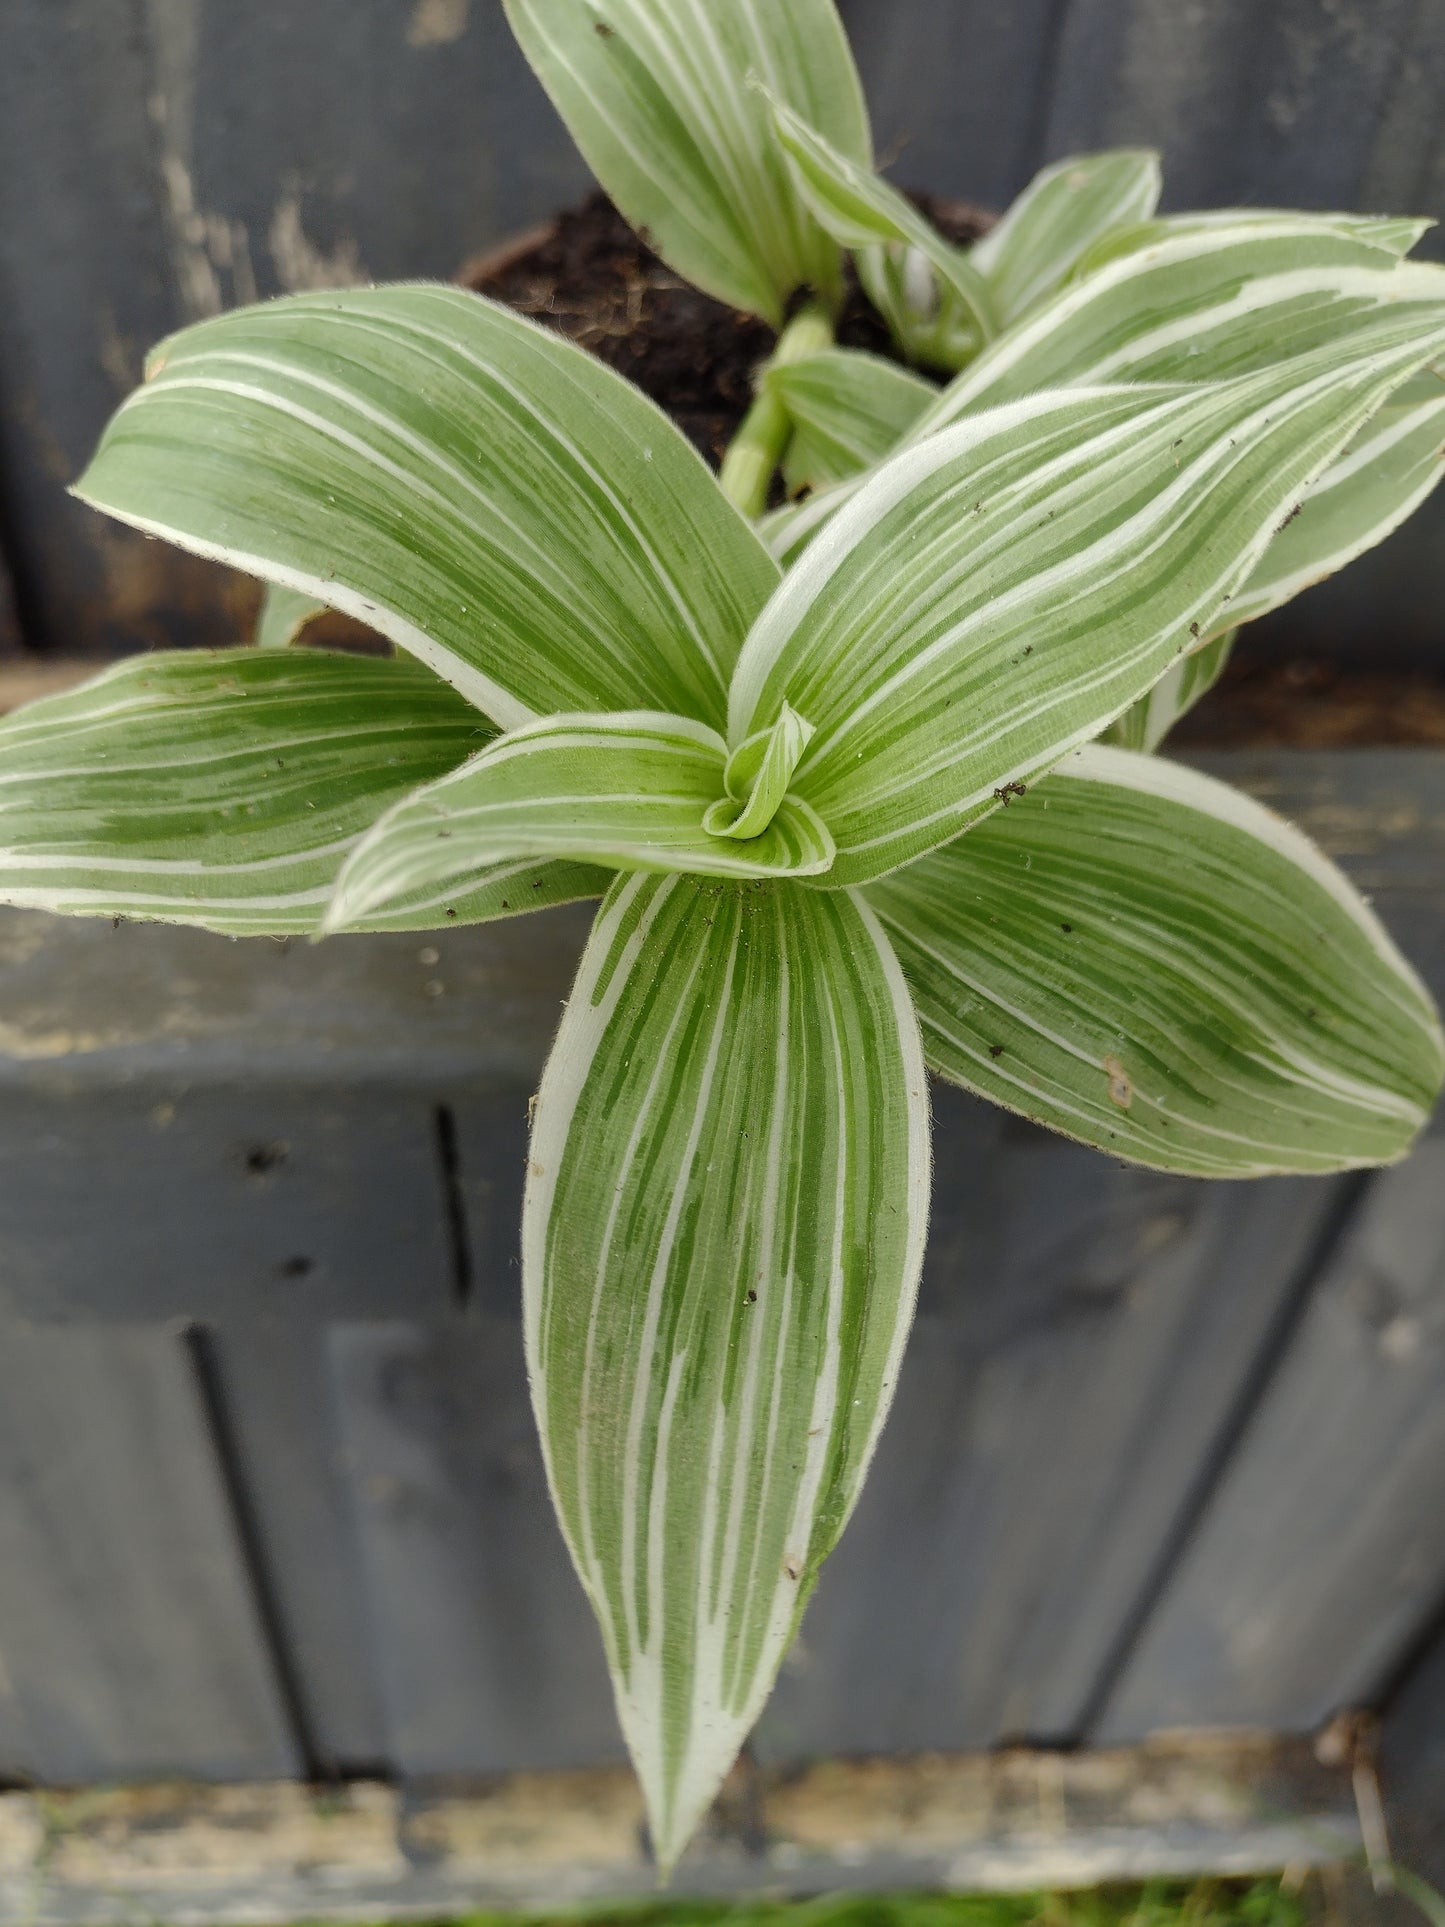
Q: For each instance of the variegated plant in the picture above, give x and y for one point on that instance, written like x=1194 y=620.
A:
x=735 y=136
x=848 y=821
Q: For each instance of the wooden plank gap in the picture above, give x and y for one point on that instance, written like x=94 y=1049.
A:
x=1351 y=1191
x=200 y=1347
x=459 y=1240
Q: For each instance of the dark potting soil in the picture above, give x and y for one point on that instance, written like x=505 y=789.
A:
x=592 y=278
x=589 y=276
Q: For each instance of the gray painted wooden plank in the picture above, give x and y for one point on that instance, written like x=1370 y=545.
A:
x=162 y=160
x=487 y=1655
x=1084 y=1334
x=87 y=287
x=1276 y=106
x=88 y=1005
x=1406 y=167
x=271 y=1207
x=126 y=1617
x=957 y=92
x=1321 y=1553
x=11 y=641
x=1412 y=1764
x=273 y=1375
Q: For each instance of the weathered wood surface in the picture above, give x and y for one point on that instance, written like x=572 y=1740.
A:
x=131 y=1642
x=161 y=159
x=1412 y=1762
x=486 y=1654
x=545 y=1841
x=1083 y=1342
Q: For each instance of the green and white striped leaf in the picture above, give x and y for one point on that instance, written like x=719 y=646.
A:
x=723 y=1229
x=1385 y=473
x=657 y=95
x=849 y=411
x=483 y=492
x=225 y=789
x=283 y=614
x=1001 y=591
x=1391 y=234
x=1149 y=721
x=1213 y=302
x=628 y=790
x=943 y=317
x=1148 y=961
x=1064 y=211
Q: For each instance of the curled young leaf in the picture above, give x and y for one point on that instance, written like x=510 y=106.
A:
x=631 y=790
x=756 y=778
x=1146 y=960
x=226 y=788
x=481 y=491
x=726 y=1204
x=657 y=95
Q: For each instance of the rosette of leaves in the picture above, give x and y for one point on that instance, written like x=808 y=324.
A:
x=847 y=823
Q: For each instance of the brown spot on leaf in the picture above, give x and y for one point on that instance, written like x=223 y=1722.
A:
x=1121 y=1091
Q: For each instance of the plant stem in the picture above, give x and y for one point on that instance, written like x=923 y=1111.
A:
x=757 y=448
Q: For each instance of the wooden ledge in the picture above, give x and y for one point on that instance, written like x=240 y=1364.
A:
x=1018 y=1820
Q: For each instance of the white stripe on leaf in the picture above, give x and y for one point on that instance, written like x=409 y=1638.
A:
x=1148 y=961
x=636 y=791
x=226 y=789
x=1000 y=591
x=722 y=1236
x=481 y=491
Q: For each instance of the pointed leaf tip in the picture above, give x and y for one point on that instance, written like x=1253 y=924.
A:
x=722 y=1235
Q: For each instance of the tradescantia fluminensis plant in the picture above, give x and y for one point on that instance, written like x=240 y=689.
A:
x=735 y=136
x=848 y=823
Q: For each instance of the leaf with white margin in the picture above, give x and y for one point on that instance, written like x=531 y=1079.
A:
x=1211 y=303
x=1000 y=592
x=849 y=410
x=656 y=94
x=864 y=212
x=481 y=491
x=1387 y=471
x=629 y=790
x=283 y=614
x=226 y=788
x=1063 y=212
x=1391 y=234
x=1150 y=720
x=725 y=1216
x=1148 y=961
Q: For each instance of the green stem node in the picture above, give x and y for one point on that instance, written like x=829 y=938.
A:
x=757 y=448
